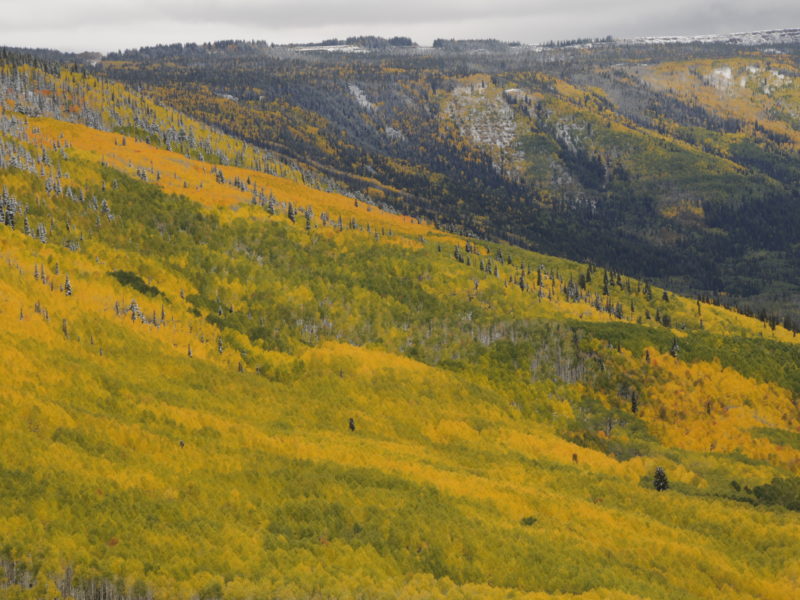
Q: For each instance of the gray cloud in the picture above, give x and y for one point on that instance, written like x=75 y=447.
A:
x=108 y=25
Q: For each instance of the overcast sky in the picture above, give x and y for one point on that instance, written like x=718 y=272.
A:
x=113 y=24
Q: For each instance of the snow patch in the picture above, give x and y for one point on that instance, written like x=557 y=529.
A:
x=394 y=134
x=343 y=49
x=725 y=72
x=360 y=97
x=721 y=78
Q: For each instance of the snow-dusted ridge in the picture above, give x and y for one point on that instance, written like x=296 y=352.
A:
x=752 y=38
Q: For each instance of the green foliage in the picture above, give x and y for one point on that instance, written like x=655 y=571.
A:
x=136 y=282
x=779 y=436
x=782 y=491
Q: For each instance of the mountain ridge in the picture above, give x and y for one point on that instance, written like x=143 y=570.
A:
x=598 y=146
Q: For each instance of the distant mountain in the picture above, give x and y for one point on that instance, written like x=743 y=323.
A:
x=676 y=162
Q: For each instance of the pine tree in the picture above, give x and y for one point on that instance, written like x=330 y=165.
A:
x=660 y=481
x=134 y=310
x=68 y=287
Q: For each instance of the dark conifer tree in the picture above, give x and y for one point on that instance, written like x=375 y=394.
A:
x=660 y=481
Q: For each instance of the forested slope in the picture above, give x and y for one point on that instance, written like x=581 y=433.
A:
x=223 y=383
x=671 y=162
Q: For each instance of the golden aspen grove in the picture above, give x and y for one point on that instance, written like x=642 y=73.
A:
x=224 y=375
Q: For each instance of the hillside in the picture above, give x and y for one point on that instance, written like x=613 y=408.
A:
x=186 y=343
x=675 y=162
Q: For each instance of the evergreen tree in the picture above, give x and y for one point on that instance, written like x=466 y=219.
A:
x=134 y=309
x=660 y=481
x=68 y=287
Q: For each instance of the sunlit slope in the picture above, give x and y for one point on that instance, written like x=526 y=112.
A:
x=74 y=96
x=175 y=418
x=248 y=194
x=756 y=89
